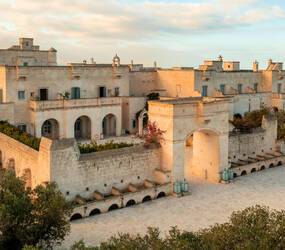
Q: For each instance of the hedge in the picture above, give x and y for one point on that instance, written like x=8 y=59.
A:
x=19 y=135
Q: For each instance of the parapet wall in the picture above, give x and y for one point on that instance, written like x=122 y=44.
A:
x=258 y=142
x=79 y=174
x=26 y=161
x=83 y=174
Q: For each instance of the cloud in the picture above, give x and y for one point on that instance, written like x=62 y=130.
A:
x=110 y=22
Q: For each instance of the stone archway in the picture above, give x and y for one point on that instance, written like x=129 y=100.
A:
x=82 y=128
x=202 y=154
x=204 y=118
x=50 y=129
x=109 y=125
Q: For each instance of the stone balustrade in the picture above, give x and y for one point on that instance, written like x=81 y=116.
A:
x=38 y=106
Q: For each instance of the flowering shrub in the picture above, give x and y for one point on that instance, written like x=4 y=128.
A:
x=19 y=135
x=94 y=147
x=153 y=135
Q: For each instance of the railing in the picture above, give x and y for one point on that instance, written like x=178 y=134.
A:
x=73 y=103
x=278 y=95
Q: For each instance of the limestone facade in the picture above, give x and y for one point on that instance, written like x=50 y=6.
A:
x=83 y=101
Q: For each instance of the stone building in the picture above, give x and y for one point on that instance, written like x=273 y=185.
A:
x=65 y=104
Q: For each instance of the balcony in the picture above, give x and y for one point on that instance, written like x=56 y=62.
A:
x=38 y=106
x=278 y=95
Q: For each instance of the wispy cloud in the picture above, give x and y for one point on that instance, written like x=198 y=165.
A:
x=110 y=21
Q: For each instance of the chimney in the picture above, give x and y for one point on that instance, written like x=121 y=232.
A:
x=255 y=66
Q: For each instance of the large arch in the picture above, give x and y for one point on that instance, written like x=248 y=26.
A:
x=202 y=154
x=204 y=117
x=82 y=128
x=50 y=129
x=109 y=125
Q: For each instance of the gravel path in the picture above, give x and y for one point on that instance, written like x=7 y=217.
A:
x=208 y=204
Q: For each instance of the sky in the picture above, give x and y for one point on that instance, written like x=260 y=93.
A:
x=171 y=32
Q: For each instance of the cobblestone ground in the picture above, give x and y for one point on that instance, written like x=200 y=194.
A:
x=208 y=204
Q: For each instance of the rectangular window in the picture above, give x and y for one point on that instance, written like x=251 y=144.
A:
x=279 y=90
x=22 y=127
x=134 y=123
x=1 y=95
x=239 y=88
x=102 y=92
x=255 y=87
x=204 y=90
x=43 y=94
x=222 y=88
x=25 y=64
x=21 y=95
x=75 y=93
x=117 y=91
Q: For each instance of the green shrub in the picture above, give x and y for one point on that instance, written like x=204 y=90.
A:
x=94 y=147
x=19 y=135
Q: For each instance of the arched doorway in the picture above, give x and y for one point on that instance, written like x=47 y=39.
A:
x=82 y=128
x=76 y=216
x=202 y=154
x=130 y=203
x=50 y=129
x=109 y=125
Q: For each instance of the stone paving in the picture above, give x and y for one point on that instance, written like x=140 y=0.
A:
x=208 y=204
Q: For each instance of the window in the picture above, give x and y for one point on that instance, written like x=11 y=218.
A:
x=134 y=123
x=21 y=95
x=204 y=90
x=22 y=127
x=102 y=92
x=222 y=88
x=279 y=88
x=46 y=128
x=255 y=87
x=117 y=91
x=43 y=94
x=1 y=95
x=239 y=88
x=25 y=64
x=75 y=93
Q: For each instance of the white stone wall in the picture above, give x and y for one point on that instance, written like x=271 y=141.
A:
x=259 y=142
x=101 y=171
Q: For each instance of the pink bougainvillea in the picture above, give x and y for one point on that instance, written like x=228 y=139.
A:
x=154 y=134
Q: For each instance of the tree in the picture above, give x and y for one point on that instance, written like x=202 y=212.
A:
x=36 y=217
x=250 y=229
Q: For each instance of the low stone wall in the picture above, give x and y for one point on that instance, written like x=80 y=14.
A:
x=82 y=174
x=26 y=161
x=124 y=200
x=258 y=166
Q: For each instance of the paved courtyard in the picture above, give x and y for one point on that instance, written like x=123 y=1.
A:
x=208 y=204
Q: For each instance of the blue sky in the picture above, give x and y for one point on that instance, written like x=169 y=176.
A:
x=171 y=32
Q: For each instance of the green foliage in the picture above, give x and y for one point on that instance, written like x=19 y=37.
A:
x=19 y=135
x=94 y=147
x=253 y=228
x=250 y=120
x=253 y=120
x=36 y=217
